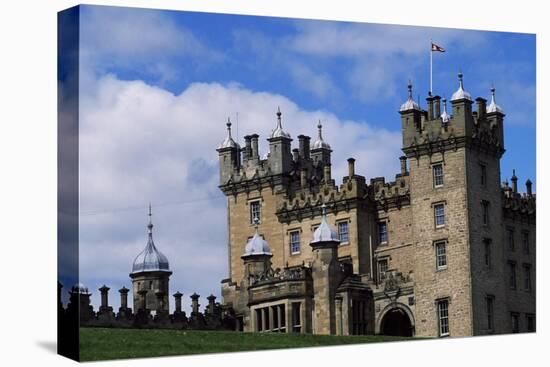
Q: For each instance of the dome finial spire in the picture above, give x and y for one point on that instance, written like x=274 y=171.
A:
x=493 y=107
x=279 y=132
x=150 y=225
x=409 y=104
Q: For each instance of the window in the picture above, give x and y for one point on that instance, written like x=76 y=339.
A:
x=259 y=320
x=485 y=212
x=515 y=322
x=512 y=274
x=439 y=213
x=443 y=317
x=382 y=233
x=530 y=322
x=150 y=284
x=296 y=319
x=525 y=240
x=295 y=242
x=441 y=255
x=255 y=211
x=527 y=277
x=511 y=244
x=382 y=268
x=343 y=234
x=483 y=174
x=438 y=175
x=489 y=301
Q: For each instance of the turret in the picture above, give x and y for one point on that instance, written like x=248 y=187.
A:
x=230 y=157
x=495 y=118
x=257 y=254
x=461 y=101
x=410 y=118
x=280 y=156
x=325 y=272
x=320 y=150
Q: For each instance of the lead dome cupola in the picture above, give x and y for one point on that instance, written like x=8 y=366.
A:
x=150 y=259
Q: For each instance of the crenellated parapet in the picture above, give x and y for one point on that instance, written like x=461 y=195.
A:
x=430 y=131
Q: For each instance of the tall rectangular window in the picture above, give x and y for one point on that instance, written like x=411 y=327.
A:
x=382 y=268
x=489 y=301
x=259 y=320
x=515 y=322
x=512 y=274
x=527 y=277
x=441 y=255
x=530 y=322
x=487 y=251
x=483 y=174
x=439 y=214
x=525 y=240
x=382 y=233
x=437 y=170
x=343 y=234
x=485 y=212
x=443 y=317
x=255 y=211
x=296 y=317
x=294 y=242
x=510 y=235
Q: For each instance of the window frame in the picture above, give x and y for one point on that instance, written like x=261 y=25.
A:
x=443 y=326
x=527 y=278
x=338 y=224
x=525 y=242
x=485 y=215
x=490 y=311
x=483 y=174
x=382 y=274
x=531 y=322
x=511 y=234
x=251 y=204
x=290 y=242
x=383 y=223
x=437 y=245
x=514 y=316
x=436 y=206
x=436 y=176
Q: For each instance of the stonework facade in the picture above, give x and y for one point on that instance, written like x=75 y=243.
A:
x=444 y=249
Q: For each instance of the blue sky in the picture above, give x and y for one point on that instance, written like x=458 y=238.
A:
x=157 y=87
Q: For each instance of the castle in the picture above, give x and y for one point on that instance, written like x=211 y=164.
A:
x=445 y=249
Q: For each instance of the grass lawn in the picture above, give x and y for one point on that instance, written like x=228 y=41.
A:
x=102 y=343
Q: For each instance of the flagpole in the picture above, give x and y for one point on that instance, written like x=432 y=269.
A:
x=431 y=63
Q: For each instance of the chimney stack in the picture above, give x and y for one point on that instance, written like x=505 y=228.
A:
x=326 y=174
x=303 y=142
x=514 y=182
x=437 y=107
x=529 y=186
x=481 y=107
x=351 y=167
x=177 y=301
x=295 y=154
x=430 y=101
x=255 y=152
x=247 y=147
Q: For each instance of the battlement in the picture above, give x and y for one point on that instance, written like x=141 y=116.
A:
x=437 y=130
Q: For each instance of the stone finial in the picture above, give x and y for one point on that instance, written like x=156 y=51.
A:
x=529 y=187
x=403 y=161
x=351 y=167
x=514 y=182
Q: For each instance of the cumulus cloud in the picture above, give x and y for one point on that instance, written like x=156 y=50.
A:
x=140 y=144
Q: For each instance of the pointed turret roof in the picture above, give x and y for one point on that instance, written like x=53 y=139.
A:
x=257 y=245
x=228 y=142
x=324 y=233
x=409 y=104
x=493 y=107
x=460 y=92
x=279 y=132
x=150 y=259
x=320 y=143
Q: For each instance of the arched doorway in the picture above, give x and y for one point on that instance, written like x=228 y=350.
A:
x=396 y=322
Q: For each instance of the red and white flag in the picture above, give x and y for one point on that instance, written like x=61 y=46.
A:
x=437 y=48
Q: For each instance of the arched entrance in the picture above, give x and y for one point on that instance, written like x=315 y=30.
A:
x=396 y=322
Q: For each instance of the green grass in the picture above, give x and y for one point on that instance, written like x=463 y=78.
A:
x=102 y=343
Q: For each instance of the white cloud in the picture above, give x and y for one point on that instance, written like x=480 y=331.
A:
x=140 y=143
